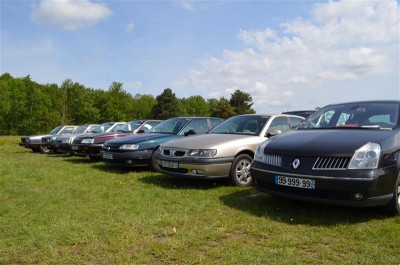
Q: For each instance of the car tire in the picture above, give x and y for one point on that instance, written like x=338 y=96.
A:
x=393 y=208
x=45 y=150
x=152 y=164
x=240 y=171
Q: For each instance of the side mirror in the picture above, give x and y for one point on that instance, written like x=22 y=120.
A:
x=189 y=132
x=140 y=131
x=273 y=133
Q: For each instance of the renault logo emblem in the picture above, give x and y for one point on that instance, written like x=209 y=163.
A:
x=296 y=163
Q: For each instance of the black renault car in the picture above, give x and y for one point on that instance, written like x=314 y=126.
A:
x=344 y=154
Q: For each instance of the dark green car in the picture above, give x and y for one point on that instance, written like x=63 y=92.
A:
x=138 y=150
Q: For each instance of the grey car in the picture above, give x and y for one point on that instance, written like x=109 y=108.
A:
x=226 y=151
x=34 y=141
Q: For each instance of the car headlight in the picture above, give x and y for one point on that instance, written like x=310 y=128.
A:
x=53 y=138
x=202 y=152
x=129 y=147
x=366 y=157
x=259 y=155
x=88 y=141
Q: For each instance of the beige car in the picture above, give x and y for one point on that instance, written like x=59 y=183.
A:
x=225 y=152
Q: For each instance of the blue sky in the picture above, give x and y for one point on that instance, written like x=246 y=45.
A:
x=285 y=54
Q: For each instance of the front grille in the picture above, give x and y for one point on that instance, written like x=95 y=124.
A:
x=331 y=163
x=273 y=160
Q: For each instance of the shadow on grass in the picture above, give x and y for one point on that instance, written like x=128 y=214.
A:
x=171 y=182
x=113 y=169
x=297 y=212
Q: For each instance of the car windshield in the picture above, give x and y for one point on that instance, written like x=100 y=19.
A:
x=97 y=129
x=172 y=126
x=56 y=130
x=369 y=115
x=122 y=128
x=115 y=127
x=135 y=124
x=80 y=129
x=251 y=125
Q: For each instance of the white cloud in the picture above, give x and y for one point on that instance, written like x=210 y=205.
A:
x=130 y=27
x=69 y=14
x=343 y=41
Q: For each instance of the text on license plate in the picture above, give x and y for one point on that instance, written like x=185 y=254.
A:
x=169 y=164
x=107 y=156
x=295 y=182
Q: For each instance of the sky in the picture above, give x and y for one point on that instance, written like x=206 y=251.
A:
x=288 y=55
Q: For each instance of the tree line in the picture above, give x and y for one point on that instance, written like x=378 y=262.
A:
x=27 y=107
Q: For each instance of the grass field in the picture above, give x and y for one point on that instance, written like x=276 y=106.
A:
x=56 y=209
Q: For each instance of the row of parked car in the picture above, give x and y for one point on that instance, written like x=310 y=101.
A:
x=345 y=154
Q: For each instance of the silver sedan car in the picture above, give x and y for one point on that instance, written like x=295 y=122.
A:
x=224 y=152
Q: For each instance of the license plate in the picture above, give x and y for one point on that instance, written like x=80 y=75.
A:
x=169 y=164
x=107 y=156
x=74 y=147
x=295 y=182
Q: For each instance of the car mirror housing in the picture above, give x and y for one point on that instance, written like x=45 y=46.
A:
x=273 y=133
x=141 y=131
x=189 y=132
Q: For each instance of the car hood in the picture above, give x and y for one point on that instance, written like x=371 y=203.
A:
x=104 y=134
x=342 y=142
x=37 y=137
x=137 y=138
x=213 y=141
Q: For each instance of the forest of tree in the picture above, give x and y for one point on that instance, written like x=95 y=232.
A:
x=27 y=107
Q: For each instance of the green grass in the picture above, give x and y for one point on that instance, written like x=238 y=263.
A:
x=56 y=209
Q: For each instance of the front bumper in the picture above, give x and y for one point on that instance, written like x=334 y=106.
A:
x=128 y=158
x=342 y=189
x=86 y=149
x=194 y=168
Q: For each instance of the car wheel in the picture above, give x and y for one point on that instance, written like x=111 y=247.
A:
x=45 y=150
x=393 y=208
x=240 y=171
x=152 y=164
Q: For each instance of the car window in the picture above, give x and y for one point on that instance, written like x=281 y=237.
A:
x=172 y=126
x=56 y=130
x=149 y=125
x=135 y=124
x=294 y=121
x=97 y=129
x=380 y=115
x=215 y=122
x=67 y=130
x=80 y=129
x=119 y=127
x=199 y=126
x=250 y=124
x=279 y=124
